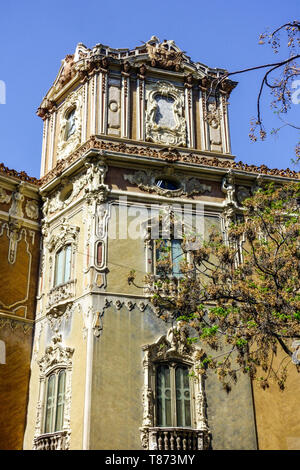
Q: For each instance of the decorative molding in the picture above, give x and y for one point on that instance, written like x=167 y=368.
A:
x=4 y=197
x=20 y=175
x=66 y=146
x=165 y=121
x=32 y=209
x=65 y=233
x=172 y=347
x=165 y=55
x=15 y=234
x=16 y=323
x=95 y=143
x=57 y=356
x=214 y=119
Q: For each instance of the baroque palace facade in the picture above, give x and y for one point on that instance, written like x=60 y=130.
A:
x=131 y=137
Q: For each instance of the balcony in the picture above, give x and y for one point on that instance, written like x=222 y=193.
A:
x=61 y=293
x=52 y=441
x=175 y=439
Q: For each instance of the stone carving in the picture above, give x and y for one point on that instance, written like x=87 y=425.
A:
x=165 y=122
x=164 y=54
x=68 y=71
x=96 y=172
x=16 y=210
x=21 y=175
x=150 y=151
x=56 y=354
x=214 y=121
x=67 y=144
x=114 y=106
x=60 y=293
x=66 y=233
x=32 y=209
x=146 y=180
x=242 y=193
x=228 y=187
x=4 y=197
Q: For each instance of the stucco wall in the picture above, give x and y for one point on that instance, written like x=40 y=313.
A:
x=118 y=380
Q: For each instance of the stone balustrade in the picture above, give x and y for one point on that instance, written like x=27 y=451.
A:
x=177 y=439
x=61 y=293
x=52 y=441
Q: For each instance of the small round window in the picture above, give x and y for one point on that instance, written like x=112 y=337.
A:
x=164 y=183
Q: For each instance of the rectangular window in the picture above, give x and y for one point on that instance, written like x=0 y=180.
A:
x=55 y=402
x=63 y=265
x=173 y=396
x=168 y=256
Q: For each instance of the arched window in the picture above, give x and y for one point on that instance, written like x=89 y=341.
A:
x=55 y=402
x=70 y=124
x=63 y=259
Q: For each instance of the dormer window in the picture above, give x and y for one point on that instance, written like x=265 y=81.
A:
x=70 y=124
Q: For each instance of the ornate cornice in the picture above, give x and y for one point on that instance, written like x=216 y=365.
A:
x=95 y=143
x=19 y=175
x=165 y=56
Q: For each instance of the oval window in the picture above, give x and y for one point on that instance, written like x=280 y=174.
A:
x=167 y=184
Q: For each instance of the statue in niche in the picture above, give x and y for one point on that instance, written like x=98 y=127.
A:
x=213 y=119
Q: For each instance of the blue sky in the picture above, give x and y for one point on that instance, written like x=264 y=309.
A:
x=36 y=36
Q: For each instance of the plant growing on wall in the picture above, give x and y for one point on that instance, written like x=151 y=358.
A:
x=240 y=292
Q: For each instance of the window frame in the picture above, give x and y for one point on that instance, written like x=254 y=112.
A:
x=171 y=259
x=56 y=373
x=173 y=366
x=64 y=249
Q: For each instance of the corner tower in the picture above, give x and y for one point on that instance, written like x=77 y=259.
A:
x=130 y=136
